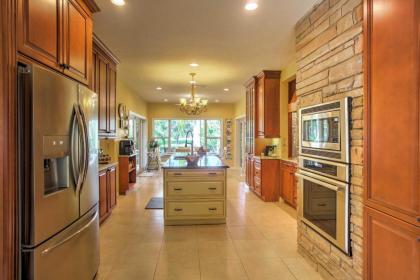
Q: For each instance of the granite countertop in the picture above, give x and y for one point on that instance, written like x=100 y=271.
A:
x=291 y=160
x=105 y=166
x=209 y=161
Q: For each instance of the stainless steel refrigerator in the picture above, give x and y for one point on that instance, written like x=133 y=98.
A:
x=58 y=152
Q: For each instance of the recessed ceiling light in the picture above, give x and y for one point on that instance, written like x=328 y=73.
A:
x=226 y=89
x=118 y=2
x=192 y=82
x=194 y=64
x=251 y=6
x=217 y=100
x=159 y=88
x=165 y=100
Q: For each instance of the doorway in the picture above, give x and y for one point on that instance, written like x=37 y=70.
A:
x=138 y=133
x=240 y=144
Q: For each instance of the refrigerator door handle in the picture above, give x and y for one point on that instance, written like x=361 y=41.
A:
x=81 y=159
x=85 y=146
x=58 y=244
x=76 y=173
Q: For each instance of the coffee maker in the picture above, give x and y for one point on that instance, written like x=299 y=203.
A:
x=270 y=150
x=126 y=147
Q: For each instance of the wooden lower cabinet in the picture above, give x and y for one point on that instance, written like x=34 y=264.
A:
x=194 y=196
x=392 y=247
x=107 y=192
x=266 y=179
x=288 y=185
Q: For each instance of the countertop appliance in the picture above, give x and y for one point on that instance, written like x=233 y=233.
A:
x=126 y=147
x=270 y=150
x=325 y=130
x=58 y=166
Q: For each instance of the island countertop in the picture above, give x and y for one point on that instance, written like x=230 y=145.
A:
x=208 y=161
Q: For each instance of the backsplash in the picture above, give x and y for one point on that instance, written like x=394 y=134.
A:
x=329 y=47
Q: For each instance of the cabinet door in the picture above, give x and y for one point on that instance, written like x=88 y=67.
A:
x=393 y=248
x=259 y=115
x=287 y=184
x=112 y=184
x=78 y=42
x=112 y=92
x=39 y=31
x=102 y=91
x=393 y=122
x=103 y=195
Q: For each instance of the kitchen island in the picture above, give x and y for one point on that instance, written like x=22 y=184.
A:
x=194 y=194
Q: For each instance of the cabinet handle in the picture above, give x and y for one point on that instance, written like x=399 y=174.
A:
x=322 y=204
x=212 y=209
x=212 y=173
x=177 y=189
x=178 y=174
x=212 y=188
x=418 y=219
x=178 y=209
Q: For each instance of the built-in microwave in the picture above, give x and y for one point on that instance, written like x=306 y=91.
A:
x=324 y=130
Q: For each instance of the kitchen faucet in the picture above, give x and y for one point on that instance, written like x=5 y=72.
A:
x=192 y=141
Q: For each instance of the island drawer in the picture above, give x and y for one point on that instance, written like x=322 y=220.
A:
x=195 y=188
x=195 y=174
x=195 y=209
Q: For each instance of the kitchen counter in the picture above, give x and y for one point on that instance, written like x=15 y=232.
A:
x=105 y=166
x=205 y=162
x=287 y=159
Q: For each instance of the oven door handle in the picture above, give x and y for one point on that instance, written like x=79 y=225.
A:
x=325 y=182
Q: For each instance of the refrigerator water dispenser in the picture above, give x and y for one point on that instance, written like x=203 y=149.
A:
x=56 y=164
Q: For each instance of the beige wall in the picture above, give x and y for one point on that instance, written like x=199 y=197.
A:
x=240 y=106
x=134 y=104
x=216 y=111
x=287 y=75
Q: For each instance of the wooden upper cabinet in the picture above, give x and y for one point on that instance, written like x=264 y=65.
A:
x=102 y=91
x=392 y=247
x=392 y=108
x=58 y=34
x=78 y=48
x=112 y=99
x=38 y=30
x=267 y=107
x=105 y=85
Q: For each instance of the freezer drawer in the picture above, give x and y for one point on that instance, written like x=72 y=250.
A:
x=72 y=254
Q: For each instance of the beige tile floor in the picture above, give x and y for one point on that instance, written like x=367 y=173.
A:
x=258 y=241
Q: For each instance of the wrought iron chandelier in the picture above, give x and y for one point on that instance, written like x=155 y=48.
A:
x=195 y=106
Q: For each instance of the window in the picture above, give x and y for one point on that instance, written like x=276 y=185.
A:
x=161 y=133
x=172 y=134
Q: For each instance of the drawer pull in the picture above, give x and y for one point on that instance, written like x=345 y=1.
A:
x=177 y=189
x=178 y=174
x=178 y=209
x=212 y=188
x=322 y=204
x=212 y=173
x=418 y=219
x=212 y=209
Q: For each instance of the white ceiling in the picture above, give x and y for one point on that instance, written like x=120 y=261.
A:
x=156 y=40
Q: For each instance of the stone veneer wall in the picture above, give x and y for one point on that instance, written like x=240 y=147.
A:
x=329 y=46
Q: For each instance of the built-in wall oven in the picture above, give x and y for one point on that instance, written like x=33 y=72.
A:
x=324 y=199
x=324 y=130
x=324 y=170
